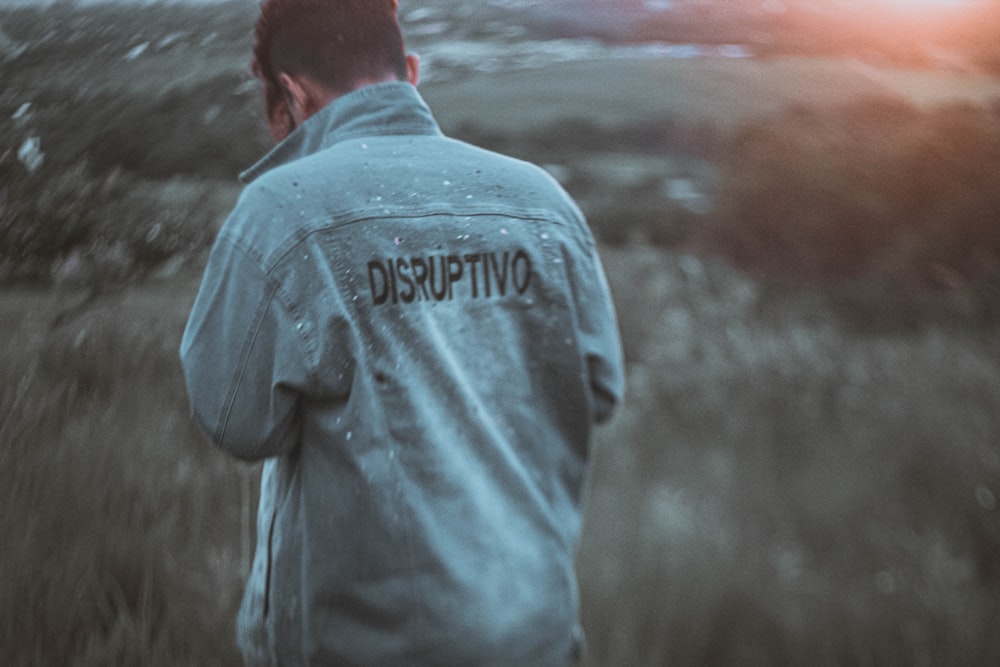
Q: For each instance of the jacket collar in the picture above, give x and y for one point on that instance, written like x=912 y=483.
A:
x=390 y=108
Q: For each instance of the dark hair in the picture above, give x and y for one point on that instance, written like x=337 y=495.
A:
x=335 y=42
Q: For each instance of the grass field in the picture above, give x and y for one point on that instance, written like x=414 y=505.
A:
x=805 y=472
x=725 y=93
x=777 y=490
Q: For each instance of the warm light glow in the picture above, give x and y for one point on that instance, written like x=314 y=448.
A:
x=917 y=5
x=881 y=10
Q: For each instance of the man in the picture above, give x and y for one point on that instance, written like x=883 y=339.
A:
x=416 y=338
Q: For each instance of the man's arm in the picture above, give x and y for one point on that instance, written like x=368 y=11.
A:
x=598 y=332
x=242 y=358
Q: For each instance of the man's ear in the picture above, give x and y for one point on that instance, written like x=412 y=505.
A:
x=297 y=97
x=413 y=68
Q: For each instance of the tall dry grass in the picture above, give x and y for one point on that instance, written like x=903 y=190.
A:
x=778 y=489
x=123 y=528
x=781 y=489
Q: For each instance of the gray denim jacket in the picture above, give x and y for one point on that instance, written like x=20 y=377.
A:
x=416 y=336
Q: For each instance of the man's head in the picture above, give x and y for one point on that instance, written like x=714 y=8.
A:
x=308 y=52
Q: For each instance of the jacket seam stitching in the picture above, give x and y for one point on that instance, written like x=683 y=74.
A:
x=245 y=360
x=293 y=241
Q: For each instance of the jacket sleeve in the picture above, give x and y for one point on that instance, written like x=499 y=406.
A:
x=597 y=332
x=243 y=359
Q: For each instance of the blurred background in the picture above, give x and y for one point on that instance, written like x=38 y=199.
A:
x=798 y=207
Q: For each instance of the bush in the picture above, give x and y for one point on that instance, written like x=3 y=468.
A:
x=74 y=227
x=213 y=129
x=42 y=216
x=878 y=191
